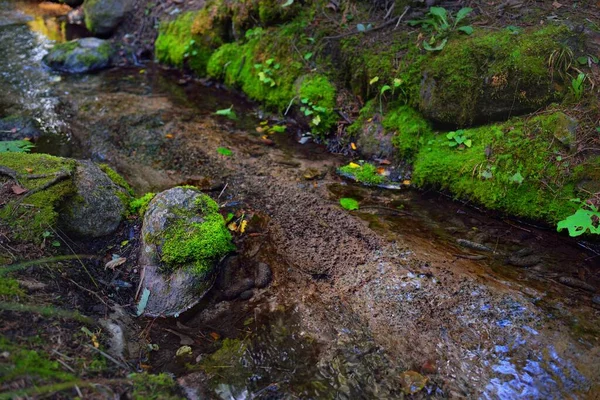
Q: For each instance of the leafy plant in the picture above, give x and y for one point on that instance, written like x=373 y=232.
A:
x=349 y=204
x=458 y=139
x=561 y=60
x=16 y=146
x=224 y=151
x=190 y=49
x=265 y=71
x=517 y=178
x=309 y=108
x=227 y=112
x=442 y=25
x=577 y=85
x=586 y=218
x=386 y=88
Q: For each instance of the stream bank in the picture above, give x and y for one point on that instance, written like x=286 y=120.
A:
x=360 y=303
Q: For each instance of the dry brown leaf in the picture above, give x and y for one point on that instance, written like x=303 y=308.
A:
x=112 y=264
x=18 y=189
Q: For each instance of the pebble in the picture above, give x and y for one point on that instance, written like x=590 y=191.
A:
x=238 y=288
x=596 y=299
x=247 y=294
x=576 y=283
x=524 y=262
x=263 y=275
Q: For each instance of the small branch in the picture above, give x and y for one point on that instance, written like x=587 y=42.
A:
x=60 y=176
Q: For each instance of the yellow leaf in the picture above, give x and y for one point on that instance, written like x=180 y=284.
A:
x=29 y=170
x=243 y=226
x=406 y=182
x=353 y=146
x=353 y=165
x=264 y=122
x=169 y=136
x=215 y=335
x=370 y=120
x=142 y=71
x=233 y=227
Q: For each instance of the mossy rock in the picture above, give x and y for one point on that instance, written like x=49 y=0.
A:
x=490 y=76
x=85 y=203
x=80 y=56
x=514 y=167
x=184 y=237
x=102 y=17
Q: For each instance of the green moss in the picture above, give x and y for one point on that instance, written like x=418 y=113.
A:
x=488 y=74
x=116 y=178
x=318 y=90
x=366 y=173
x=154 y=387
x=408 y=127
x=198 y=244
x=39 y=211
x=10 y=287
x=30 y=364
x=230 y=354
x=139 y=206
x=486 y=172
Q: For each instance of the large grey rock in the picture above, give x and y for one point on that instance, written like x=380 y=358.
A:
x=173 y=290
x=80 y=56
x=97 y=207
x=103 y=16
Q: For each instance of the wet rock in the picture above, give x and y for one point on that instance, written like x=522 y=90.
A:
x=183 y=238
x=76 y=17
x=239 y=288
x=97 y=207
x=80 y=56
x=472 y=245
x=524 y=261
x=246 y=294
x=374 y=141
x=103 y=16
x=19 y=128
x=596 y=299
x=227 y=273
x=565 y=130
x=263 y=275
x=576 y=283
x=123 y=339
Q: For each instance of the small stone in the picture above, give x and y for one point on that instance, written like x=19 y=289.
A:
x=524 y=262
x=596 y=299
x=576 y=283
x=238 y=288
x=263 y=275
x=247 y=294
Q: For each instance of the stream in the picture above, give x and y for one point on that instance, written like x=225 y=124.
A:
x=414 y=294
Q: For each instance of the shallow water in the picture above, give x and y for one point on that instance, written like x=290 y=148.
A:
x=271 y=355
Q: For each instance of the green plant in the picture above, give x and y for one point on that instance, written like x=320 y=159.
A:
x=224 y=151
x=442 y=24
x=586 y=218
x=577 y=85
x=265 y=71
x=16 y=146
x=309 y=108
x=227 y=112
x=190 y=49
x=349 y=204
x=386 y=88
x=458 y=139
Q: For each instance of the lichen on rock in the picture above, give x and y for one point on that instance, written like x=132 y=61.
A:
x=80 y=56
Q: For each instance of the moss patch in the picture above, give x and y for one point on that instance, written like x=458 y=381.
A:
x=515 y=167
x=38 y=212
x=199 y=244
x=140 y=205
x=154 y=387
x=365 y=173
x=408 y=127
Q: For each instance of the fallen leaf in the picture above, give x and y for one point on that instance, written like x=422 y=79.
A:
x=353 y=146
x=233 y=227
x=353 y=165
x=385 y=162
x=18 y=189
x=112 y=264
x=184 y=351
x=260 y=129
x=169 y=136
x=556 y=4
x=29 y=170
x=381 y=170
x=215 y=335
x=243 y=226
x=267 y=141
x=406 y=182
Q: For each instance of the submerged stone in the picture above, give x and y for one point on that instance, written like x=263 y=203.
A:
x=183 y=239
x=80 y=56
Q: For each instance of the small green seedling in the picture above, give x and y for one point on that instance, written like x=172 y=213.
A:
x=265 y=71
x=577 y=85
x=458 y=139
x=309 y=108
x=442 y=24
x=227 y=112
x=586 y=218
x=16 y=146
x=349 y=204
x=224 y=151
x=517 y=178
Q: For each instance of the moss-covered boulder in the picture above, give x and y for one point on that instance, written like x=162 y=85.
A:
x=80 y=56
x=184 y=237
x=75 y=195
x=102 y=17
x=98 y=204
x=491 y=76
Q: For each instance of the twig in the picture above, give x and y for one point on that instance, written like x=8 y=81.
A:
x=8 y=172
x=26 y=264
x=402 y=16
x=224 y=187
x=290 y=105
x=89 y=291
x=46 y=311
x=62 y=175
x=108 y=357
